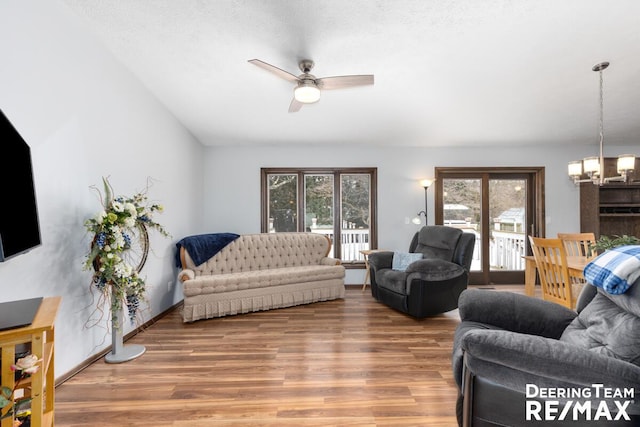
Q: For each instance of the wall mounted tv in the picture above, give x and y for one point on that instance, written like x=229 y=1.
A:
x=19 y=226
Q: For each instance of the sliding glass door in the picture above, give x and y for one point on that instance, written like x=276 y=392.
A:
x=501 y=206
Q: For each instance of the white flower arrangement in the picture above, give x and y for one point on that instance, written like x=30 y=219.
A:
x=114 y=227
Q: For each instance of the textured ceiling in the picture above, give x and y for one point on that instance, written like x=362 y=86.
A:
x=459 y=72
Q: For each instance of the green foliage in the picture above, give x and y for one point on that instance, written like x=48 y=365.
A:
x=5 y=395
x=606 y=242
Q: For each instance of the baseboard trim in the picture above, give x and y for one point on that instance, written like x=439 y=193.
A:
x=91 y=360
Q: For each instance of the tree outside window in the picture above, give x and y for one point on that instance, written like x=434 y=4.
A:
x=337 y=202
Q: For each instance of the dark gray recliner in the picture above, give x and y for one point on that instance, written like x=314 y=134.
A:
x=432 y=284
x=509 y=344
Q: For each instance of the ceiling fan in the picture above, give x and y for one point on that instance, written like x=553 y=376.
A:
x=308 y=87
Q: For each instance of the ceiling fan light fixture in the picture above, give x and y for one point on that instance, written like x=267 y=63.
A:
x=306 y=93
x=307 y=90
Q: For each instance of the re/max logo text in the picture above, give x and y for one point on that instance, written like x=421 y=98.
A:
x=606 y=403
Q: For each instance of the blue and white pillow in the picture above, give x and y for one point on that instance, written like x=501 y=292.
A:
x=401 y=260
x=615 y=270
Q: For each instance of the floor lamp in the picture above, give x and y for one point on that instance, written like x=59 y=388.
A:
x=426 y=183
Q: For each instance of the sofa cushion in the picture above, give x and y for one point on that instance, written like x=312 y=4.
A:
x=218 y=283
x=609 y=325
x=392 y=280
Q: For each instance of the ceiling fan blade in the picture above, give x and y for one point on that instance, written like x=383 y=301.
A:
x=275 y=70
x=340 y=82
x=295 y=106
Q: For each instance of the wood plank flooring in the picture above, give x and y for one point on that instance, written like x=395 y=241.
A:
x=351 y=362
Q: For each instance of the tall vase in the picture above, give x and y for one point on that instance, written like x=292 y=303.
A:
x=120 y=352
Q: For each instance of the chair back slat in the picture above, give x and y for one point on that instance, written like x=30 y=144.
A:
x=578 y=244
x=551 y=262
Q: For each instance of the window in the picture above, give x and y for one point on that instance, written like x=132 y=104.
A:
x=336 y=202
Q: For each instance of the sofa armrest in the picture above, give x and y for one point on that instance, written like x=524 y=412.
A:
x=515 y=360
x=515 y=312
x=380 y=260
x=330 y=261
x=186 y=274
x=433 y=270
x=464 y=250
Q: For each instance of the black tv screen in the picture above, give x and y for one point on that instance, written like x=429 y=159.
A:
x=19 y=226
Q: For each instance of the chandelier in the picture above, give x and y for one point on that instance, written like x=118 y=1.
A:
x=593 y=166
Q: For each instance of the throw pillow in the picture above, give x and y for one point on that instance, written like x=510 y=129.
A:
x=401 y=260
x=615 y=270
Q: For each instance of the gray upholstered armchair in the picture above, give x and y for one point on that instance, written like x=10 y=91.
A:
x=430 y=285
x=515 y=356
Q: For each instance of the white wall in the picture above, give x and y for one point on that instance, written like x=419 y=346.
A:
x=236 y=208
x=84 y=117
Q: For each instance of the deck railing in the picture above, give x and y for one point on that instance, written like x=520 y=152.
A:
x=506 y=250
x=352 y=240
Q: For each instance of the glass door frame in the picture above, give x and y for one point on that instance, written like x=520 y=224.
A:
x=535 y=211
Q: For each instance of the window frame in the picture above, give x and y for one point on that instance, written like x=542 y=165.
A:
x=337 y=214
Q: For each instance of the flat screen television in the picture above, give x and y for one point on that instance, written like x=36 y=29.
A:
x=19 y=225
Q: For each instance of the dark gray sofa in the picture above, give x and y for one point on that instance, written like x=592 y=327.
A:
x=509 y=346
x=432 y=284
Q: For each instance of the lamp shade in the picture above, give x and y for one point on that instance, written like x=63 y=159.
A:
x=426 y=183
x=307 y=93
x=592 y=165
x=626 y=162
x=575 y=168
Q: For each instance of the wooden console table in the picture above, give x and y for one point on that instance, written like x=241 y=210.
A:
x=40 y=335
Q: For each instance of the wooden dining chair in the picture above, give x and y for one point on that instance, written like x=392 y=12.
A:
x=578 y=244
x=551 y=262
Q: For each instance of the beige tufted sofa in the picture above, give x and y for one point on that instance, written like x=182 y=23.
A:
x=261 y=272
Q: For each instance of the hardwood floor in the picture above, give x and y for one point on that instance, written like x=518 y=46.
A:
x=351 y=362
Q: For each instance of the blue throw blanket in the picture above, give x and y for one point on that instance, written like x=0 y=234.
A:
x=615 y=270
x=201 y=247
